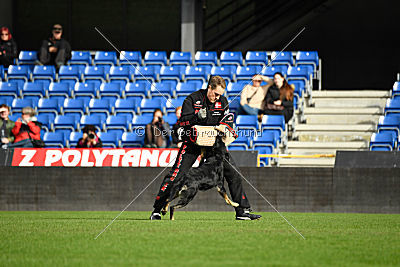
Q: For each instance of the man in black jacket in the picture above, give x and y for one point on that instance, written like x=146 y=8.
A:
x=204 y=107
x=55 y=50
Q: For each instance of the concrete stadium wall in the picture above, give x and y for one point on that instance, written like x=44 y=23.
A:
x=289 y=189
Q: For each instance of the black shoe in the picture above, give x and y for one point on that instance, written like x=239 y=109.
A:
x=155 y=216
x=246 y=216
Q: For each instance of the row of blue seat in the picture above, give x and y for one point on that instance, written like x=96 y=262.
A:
x=184 y=58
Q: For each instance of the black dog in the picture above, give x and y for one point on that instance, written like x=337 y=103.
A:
x=208 y=175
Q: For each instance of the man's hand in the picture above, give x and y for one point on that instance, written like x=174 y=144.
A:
x=84 y=136
x=5 y=140
x=53 y=49
x=278 y=102
x=202 y=114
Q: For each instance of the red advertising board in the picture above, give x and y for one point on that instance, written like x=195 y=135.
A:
x=103 y=157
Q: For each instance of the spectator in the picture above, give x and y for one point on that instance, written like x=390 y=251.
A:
x=89 y=138
x=176 y=140
x=55 y=50
x=25 y=129
x=157 y=132
x=6 y=126
x=279 y=99
x=8 y=48
x=252 y=96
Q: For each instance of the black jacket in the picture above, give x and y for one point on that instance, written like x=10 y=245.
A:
x=198 y=100
x=273 y=95
x=8 y=51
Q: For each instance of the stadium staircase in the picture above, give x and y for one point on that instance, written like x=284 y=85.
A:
x=336 y=120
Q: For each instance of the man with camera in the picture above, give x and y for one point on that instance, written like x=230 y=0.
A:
x=89 y=138
x=26 y=129
x=157 y=132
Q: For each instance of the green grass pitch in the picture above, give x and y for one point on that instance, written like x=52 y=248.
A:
x=198 y=239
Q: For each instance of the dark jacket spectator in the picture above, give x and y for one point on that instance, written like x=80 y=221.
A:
x=6 y=125
x=8 y=48
x=55 y=50
x=157 y=132
x=176 y=140
x=89 y=138
x=25 y=129
x=279 y=98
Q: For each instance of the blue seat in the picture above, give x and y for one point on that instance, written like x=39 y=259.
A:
x=265 y=139
x=389 y=124
x=121 y=73
x=256 y=58
x=1 y=72
x=172 y=104
x=126 y=106
x=9 y=89
x=74 y=106
x=48 y=106
x=271 y=70
x=196 y=73
x=186 y=88
x=69 y=73
x=111 y=90
x=299 y=88
x=262 y=151
x=382 y=142
x=243 y=141
x=146 y=73
x=155 y=58
x=93 y=119
x=130 y=57
x=282 y=58
x=392 y=106
x=59 y=89
x=307 y=58
x=141 y=89
x=69 y=121
x=247 y=73
x=139 y=123
x=74 y=138
x=108 y=139
x=180 y=58
x=45 y=120
x=105 y=58
x=247 y=122
x=171 y=73
x=206 y=58
x=6 y=100
x=132 y=139
x=27 y=57
x=18 y=72
x=234 y=89
x=231 y=58
x=33 y=89
x=100 y=106
x=234 y=104
x=118 y=122
x=55 y=139
x=162 y=89
x=299 y=73
x=225 y=72
x=96 y=73
x=396 y=90
x=275 y=123
x=80 y=58
x=171 y=119
x=18 y=104
x=85 y=89
x=149 y=105
x=44 y=73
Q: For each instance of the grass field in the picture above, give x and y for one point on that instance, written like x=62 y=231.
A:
x=198 y=238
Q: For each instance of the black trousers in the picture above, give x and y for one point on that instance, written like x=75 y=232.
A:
x=187 y=155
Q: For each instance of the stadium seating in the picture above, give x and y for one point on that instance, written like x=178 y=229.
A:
x=128 y=107
x=27 y=57
x=137 y=90
x=275 y=123
x=9 y=89
x=130 y=58
x=93 y=119
x=171 y=73
x=132 y=139
x=282 y=58
x=172 y=104
x=80 y=58
x=247 y=122
x=184 y=89
x=196 y=73
x=105 y=58
x=396 y=90
x=231 y=58
x=66 y=122
x=18 y=73
x=382 y=142
x=392 y=107
x=59 y=89
x=209 y=58
x=162 y=90
x=74 y=106
x=225 y=72
x=155 y=58
x=234 y=89
x=85 y=89
x=243 y=142
x=121 y=74
x=54 y=139
x=108 y=139
x=46 y=121
x=95 y=73
x=180 y=58
x=2 y=76
x=146 y=73
x=68 y=73
x=259 y=58
x=111 y=91
x=389 y=124
x=49 y=106
x=246 y=73
x=74 y=138
x=44 y=73
x=33 y=89
x=271 y=70
x=119 y=122
x=307 y=58
x=102 y=106
x=149 y=105
x=171 y=119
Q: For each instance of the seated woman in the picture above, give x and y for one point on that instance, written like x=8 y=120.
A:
x=26 y=128
x=252 y=96
x=279 y=98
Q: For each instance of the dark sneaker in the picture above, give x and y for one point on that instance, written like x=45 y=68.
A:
x=246 y=216
x=155 y=216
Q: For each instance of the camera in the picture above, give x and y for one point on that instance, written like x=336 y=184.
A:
x=91 y=136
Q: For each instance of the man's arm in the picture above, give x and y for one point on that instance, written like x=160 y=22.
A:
x=244 y=96
x=189 y=116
